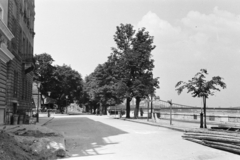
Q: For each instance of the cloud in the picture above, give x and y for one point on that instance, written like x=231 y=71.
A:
x=207 y=35
x=216 y=35
x=218 y=20
x=195 y=41
x=221 y=26
x=158 y=27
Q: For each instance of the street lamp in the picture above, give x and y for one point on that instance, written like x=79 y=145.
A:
x=170 y=102
x=38 y=84
x=66 y=104
x=49 y=93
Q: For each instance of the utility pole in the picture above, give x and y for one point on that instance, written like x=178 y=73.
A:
x=151 y=105
x=170 y=102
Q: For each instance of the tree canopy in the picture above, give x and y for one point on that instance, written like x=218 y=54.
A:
x=128 y=71
x=43 y=72
x=59 y=80
x=198 y=86
x=134 y=62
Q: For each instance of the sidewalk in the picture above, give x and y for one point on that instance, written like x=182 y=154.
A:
x=176 y=125
x=44 y=119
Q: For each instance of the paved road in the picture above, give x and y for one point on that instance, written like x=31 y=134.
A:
x=100 y=137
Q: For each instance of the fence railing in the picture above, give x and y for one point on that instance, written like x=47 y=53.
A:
x=185 y=112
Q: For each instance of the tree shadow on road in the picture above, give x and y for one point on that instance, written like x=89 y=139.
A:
x=86 y=136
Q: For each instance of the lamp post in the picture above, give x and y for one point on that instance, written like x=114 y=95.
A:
x=151 y=105
x=49 y=93
x=38 y=103
x=66 y=104
x=38 y=84
x=170 y=102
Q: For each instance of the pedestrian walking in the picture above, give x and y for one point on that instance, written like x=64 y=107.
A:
x=141 y=112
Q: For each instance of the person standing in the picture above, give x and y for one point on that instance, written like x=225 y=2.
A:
x=96 y=111
x=141 y=112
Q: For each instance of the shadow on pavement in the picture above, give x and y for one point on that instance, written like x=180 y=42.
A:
x=83 y=135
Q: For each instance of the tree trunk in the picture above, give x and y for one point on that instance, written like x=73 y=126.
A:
x=151 y=105
x=105 y=110
x=136 y=111
x=100 y=109
x=103 y=104
x=128 y=107
x=204 y=112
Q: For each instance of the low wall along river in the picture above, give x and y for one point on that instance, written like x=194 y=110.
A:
x=184 y=112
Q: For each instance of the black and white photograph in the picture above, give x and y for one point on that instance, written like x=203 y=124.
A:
x=119 y=79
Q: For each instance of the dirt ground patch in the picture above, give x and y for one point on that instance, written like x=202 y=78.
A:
x=31 y=142
x=10 y=149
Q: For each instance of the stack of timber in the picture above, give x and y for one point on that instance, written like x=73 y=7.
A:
x=220 y=139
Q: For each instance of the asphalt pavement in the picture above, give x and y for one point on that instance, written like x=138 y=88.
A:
x=93 y=138
x=108 y=137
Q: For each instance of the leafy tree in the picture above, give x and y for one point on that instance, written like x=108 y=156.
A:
x=69 y=83
x=59 y=80
x=89 y=98
x=132 y=58
x=101 y=87
x=123 y=59
x=85 y=99
x=198 y=86
x=43 y=72
x=144 y=83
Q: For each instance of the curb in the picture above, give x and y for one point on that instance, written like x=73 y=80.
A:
x=45 y=123
x=156 y=125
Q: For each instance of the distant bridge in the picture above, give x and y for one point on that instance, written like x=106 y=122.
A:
x=163 y=110
x=164 y=105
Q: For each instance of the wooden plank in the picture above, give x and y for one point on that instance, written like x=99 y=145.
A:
x=211 y=131
x=2 y=86
x=2 y=81
x=213 y=134
x=2 y=98
x=2 y=94
x=222 y=144
x=2 y=76
x=4 y=71
x=217 y=139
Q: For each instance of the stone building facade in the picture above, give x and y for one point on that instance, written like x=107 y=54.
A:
x=16 y=73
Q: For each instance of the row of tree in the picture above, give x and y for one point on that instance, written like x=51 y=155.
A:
x=127 y=73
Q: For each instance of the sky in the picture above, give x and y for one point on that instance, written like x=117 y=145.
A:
x=189 y=35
